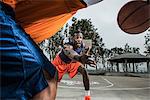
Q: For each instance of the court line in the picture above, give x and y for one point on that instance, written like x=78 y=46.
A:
x=144 y=88
x=111 y=84
x=104 y=88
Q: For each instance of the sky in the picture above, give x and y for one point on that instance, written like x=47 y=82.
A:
x=104 y=17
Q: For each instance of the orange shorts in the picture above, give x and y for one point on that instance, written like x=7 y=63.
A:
x=62 y=67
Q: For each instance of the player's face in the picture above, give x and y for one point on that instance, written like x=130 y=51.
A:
x=78 y=39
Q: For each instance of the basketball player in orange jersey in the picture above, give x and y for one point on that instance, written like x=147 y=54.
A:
x=72 y=58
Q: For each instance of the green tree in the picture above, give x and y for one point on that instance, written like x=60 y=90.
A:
x=135 y=50
x=117 y=50
x=127 y=48
x=147 y=43
x=51 y=46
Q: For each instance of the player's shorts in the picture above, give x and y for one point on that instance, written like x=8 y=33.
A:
x=21 y=61
x=62 y=67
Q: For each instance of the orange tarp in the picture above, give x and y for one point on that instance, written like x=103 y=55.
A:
x=43 y=18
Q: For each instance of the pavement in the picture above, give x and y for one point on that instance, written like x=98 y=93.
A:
x=105 y=88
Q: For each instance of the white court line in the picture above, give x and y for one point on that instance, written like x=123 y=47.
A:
x=111 y=84
x=144 y=88
x=105 y=87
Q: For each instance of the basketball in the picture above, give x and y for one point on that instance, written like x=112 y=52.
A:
x=134 y=17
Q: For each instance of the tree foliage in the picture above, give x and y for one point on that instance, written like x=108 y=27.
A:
x=147 y=43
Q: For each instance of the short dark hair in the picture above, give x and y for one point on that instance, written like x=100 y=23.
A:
x=77 y=33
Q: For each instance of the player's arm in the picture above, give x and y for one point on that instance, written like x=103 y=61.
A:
x=69 y=52
x=84 y=59
x=86 y=51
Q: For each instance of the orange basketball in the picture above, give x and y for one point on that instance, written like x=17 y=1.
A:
x=134 y=17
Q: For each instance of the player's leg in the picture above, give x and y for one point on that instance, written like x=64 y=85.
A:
x=86 y=82
x=84 y=73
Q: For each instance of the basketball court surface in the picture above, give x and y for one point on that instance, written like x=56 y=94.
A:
x=105 y=88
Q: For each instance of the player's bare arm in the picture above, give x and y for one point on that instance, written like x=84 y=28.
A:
x=84 y=59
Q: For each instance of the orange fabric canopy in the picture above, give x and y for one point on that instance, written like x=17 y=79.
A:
x=43 y=18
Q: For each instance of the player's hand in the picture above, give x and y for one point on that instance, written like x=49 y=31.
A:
x=87 y=50
x=86 y=59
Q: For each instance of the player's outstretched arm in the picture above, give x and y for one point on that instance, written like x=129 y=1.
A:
x=84 y=59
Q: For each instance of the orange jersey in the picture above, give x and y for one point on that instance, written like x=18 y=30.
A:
x=41 y=19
